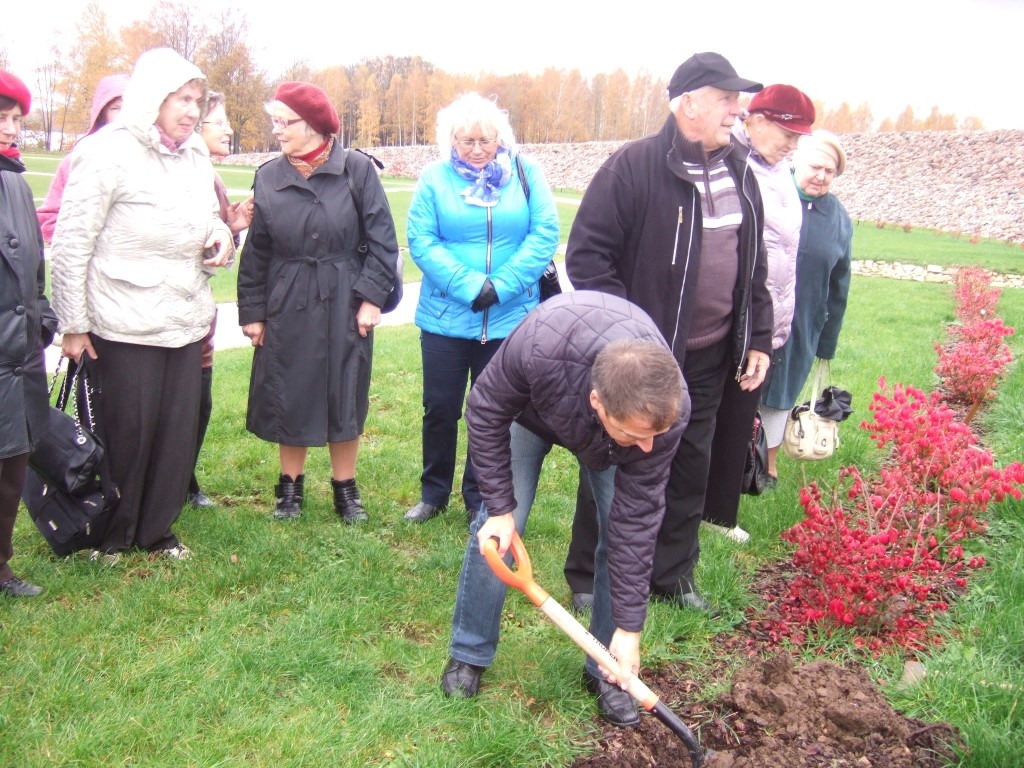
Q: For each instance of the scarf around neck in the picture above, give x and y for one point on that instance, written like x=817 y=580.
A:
x=308 y=163
x=485 y=183
x=12 y=152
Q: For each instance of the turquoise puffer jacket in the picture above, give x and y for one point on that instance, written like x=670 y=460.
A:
x=458 y=246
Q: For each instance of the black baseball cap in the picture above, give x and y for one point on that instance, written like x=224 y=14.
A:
x=703 y=69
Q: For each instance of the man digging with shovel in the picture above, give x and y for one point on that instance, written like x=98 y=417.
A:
x=590 y=372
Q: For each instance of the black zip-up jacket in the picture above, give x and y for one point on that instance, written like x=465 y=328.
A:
x=638 y=235
x=540 y=378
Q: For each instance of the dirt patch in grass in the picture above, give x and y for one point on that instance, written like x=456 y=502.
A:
x=776 y=713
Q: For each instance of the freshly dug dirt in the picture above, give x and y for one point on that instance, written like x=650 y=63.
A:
x=779 y=715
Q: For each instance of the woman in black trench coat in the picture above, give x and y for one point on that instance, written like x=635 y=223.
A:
x=309 y=300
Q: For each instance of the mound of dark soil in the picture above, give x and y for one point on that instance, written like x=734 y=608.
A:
x=781 y=715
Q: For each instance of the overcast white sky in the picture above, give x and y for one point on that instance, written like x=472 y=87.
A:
x=959 y=55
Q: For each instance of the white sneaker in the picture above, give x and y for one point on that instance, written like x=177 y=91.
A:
x=109 y=559
x=735 y=534
x=180 y=552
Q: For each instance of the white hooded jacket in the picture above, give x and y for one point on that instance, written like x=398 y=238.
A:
x=127 y=255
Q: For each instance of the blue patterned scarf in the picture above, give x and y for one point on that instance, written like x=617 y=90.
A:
x=485 y=183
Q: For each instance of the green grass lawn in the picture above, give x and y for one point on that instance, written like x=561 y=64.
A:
x=312 y=643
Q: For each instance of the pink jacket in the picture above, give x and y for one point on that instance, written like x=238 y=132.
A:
x=110 y=88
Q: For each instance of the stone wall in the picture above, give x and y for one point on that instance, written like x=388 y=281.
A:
x=930 y=274
x=965 y=182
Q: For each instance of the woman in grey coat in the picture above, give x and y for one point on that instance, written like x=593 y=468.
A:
x=822 y=283
x=309 y=299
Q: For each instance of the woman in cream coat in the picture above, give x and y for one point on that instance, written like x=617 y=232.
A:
x=137 y=238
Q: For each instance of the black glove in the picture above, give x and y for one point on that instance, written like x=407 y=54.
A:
x=485 y=298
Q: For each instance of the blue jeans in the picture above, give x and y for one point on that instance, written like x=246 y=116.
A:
x=481 y=595
x=447 y=365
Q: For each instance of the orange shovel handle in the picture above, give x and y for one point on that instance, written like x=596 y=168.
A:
x=522 y=577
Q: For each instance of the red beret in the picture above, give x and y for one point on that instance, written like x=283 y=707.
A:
x=785 y=106
x=13 y=88
x=311 y=104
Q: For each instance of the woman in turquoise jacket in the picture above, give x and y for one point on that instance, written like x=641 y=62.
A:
x=482 y=228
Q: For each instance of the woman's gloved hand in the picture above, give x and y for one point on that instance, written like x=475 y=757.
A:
x=485 y=298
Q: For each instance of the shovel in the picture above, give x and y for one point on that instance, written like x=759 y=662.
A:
x=522 y=579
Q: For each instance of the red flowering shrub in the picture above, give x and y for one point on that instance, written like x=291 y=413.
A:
x=973 y=360
x=974 y=297
x=884 y=580
x=881 y=555
x=975 y=355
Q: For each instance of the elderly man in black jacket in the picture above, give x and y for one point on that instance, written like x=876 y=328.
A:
x=673 y=222
x=590 y=372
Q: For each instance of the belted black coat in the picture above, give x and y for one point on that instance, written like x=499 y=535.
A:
x=301 y=274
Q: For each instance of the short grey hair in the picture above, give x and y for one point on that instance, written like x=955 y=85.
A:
x=468 y=111
x=272 y=108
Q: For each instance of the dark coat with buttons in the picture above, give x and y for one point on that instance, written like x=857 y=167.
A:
x=301 y=274
x=540 y=378
x=27 y=323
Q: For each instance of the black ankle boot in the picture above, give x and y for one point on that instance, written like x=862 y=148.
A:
x=289 y=497
x=347 y=502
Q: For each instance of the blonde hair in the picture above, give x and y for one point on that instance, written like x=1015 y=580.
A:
x=471 y=110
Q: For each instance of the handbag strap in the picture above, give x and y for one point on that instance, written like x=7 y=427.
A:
x=822 y=378
x=522 y=177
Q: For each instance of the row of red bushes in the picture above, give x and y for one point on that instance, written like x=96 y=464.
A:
x=884 y=553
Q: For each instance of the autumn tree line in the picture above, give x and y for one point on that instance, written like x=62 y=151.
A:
x=389 y=101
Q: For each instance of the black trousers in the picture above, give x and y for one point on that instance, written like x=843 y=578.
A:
x=12 y=477
x=733 y=428
x=147 y=412
x=706 y=372
x=205 y=409
x=449 y=364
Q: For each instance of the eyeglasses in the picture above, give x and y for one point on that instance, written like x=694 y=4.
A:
x=470 y=143
x=277 y=122
x=224 y=125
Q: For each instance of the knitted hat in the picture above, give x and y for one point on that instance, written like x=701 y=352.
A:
x=827 y=142
x=12 y=87
x=785 y=106
x=703 y=69
x=311 y=104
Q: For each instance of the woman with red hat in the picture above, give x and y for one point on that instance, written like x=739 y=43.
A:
x=320 y=261
x=27 y=325
x=776 y=118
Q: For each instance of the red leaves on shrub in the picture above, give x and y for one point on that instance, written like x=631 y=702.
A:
x=882 y=554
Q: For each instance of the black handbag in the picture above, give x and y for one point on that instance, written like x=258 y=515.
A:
x=549 y=285
x=68 y=455
x=68 y=519
x=755 y=471
x=67 y=522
